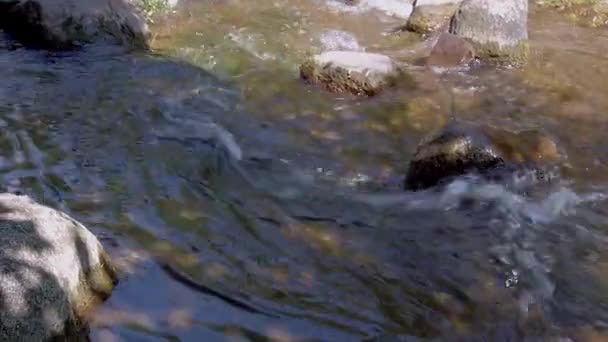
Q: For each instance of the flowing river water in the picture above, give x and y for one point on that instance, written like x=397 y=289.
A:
x=243 y=205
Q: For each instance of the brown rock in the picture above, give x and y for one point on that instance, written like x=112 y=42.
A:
x=359 y=73
x=461 y=148
x=451 y=50
x=430 y=16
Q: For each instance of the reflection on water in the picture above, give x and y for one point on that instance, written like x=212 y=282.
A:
x=248 y=206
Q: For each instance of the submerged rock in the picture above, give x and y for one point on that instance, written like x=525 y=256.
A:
x=63 y=24
x=498 y=29
x=430 y=15
x=359 y=73
x=595 y=15
x=53 y=271
x=451 y=50
x=462 y=148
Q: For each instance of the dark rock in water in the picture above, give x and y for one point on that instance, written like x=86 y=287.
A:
x=462 y=148
x=498 y=29
x=64 y=24
x=451 y=50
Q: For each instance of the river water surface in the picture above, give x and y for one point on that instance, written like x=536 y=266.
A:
x=243 y=205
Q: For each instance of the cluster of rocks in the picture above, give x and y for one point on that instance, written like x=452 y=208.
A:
x=491 y=30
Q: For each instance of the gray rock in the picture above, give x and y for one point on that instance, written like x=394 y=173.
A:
x=430 y=15
x=450 y=50
x=498 y=29
x=53 y=271
x=63 y=24
x=461 y=148
x=359 y=73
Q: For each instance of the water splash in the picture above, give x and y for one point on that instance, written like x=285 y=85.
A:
x=396 y=8
x=340 y=40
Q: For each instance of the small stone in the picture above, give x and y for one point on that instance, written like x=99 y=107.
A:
x=451 y=50
x=359 y=73
x=497 y=29
x=430 y=15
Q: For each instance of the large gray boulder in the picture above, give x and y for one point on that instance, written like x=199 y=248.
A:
x=431 y=15
x=498 y=29
x=359 y=73
x=460 y=148
x=63 y=24
x=53 y=271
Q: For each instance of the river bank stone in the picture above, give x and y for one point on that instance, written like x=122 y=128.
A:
x=450 y=50
x=497 y=29
x=53 y=272
x=359 y=73
x=461 y=148
x=64 y=24
x=430 y=15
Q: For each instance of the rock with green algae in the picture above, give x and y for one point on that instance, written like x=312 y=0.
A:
x=430 y=15
x=64 y=24
x=53 y=272
x=497 y=29
x=359 y=73
x=460 y=148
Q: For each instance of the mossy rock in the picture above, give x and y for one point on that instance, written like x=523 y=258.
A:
x=497 y=29
x=430 y=18
x=358 y=73
x=461 y=148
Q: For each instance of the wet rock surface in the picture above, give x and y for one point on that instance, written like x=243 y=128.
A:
x=497 y=29
x=359 y=73
x=64 y=24
x=451 y=50
x=430 y=15
x=53 y=272
x=461 y=148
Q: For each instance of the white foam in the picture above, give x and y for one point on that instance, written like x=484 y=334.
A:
x=339 y=40
x=396 y=8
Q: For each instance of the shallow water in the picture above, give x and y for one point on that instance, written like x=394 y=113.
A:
x=209 y=166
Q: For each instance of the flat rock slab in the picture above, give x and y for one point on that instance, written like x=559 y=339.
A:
x=64 y=24
x=359 y=73
x=498 y=29
x=53 y=271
